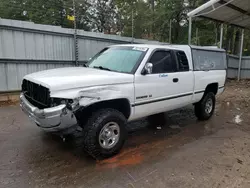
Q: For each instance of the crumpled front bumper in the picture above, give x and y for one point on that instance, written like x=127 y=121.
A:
x=53 y=119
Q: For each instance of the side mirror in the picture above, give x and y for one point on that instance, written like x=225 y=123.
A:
x=148 y=69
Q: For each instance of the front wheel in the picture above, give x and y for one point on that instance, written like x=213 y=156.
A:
x=205 y=108
x=105 y=133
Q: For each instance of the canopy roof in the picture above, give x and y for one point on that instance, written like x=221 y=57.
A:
x=234 y=12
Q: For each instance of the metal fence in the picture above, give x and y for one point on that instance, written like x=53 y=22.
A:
x=26 y=47
x=233 y=64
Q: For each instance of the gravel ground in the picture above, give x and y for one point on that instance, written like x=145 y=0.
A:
x=181 y=153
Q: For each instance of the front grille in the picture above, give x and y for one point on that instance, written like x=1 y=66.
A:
x=36 y=94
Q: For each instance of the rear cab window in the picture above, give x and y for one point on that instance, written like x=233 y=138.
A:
x=182 y=61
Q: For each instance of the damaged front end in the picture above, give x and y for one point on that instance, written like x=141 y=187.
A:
x=77 y=98
x=67 y=108
x=53 y=119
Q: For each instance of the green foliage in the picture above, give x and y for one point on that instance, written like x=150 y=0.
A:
x=151 y=19
x=52 y=12
x=12 y=9
x=134 y=16
x=103 y=15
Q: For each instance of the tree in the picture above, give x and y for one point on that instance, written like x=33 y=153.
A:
x=13 y=9
x=148 y=19
x=52 y=12
x=103 y=15
x=83 y=14
x=134 y=18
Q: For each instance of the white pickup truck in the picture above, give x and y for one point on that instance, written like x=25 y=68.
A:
x=120 y=84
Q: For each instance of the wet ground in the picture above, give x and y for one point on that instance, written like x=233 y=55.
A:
x=182 y=153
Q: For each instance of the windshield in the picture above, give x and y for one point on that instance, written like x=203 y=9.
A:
x=119 y=59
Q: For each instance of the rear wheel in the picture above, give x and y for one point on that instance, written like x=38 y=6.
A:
x=205 y=108
x=104 y=134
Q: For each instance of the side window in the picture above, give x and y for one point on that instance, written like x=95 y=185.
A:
x=182 y=61
x=162 y=62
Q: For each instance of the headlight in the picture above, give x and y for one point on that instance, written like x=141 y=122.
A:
x=70 y=103
x=73 y=106
x=59 y=101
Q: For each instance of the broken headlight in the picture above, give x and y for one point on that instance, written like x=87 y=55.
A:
x=70 y=103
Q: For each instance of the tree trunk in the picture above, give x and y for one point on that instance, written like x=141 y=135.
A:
x=237 y=42
x=229 y=38
x=152 y=25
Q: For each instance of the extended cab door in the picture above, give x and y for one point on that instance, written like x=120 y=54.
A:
x=170 y=85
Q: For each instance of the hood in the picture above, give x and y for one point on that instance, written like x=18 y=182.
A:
x=77 y=77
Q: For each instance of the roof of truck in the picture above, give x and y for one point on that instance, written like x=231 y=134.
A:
x=173 y=46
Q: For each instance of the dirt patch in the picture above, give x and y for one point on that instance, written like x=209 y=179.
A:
x=237 y=93
x=7 y=99
x=8 y=103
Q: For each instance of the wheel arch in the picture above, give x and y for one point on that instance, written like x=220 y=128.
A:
x=121 y=104
x=212 y=87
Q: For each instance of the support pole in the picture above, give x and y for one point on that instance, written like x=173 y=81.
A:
x=132 y=34
x=190 y=31
x=170 y=31
x=241 y=50
x=221 y=35
x=196 y=36
x=75 y=35
x=216 y=35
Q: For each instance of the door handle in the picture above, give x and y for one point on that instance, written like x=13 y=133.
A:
x=175 y=80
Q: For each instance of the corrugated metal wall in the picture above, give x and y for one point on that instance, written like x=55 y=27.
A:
x=11 y=73
x=26 y=47
x=233 y=64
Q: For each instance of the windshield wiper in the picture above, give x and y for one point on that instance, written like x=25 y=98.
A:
x=102 y=68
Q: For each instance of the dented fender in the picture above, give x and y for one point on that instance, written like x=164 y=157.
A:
x=90 y=95
x=93 y=95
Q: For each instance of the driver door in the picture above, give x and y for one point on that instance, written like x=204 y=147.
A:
x=165 y=89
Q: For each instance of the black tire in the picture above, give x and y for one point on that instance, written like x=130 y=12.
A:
x=93 y=127
x=200 y=107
